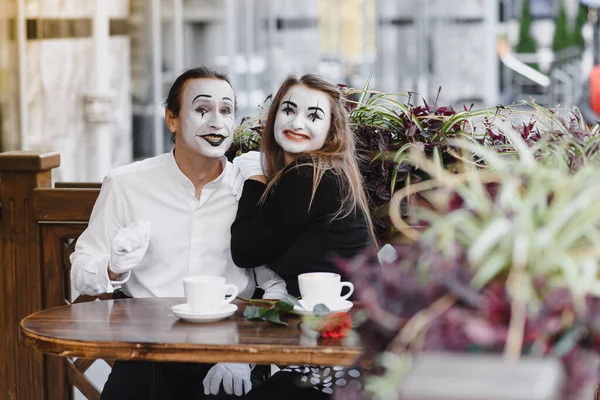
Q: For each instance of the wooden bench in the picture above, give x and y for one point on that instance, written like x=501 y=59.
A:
x=39 y=225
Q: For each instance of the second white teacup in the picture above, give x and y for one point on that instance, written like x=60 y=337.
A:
x=323 y=288
x=206 y=293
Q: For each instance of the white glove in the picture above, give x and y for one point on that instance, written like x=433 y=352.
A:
x=268 y=280
x=129 y=246
x=234 y=376
x=244 y=166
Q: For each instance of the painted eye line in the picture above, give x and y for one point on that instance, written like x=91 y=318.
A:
x=315 y=115
x=202 y=111
x=287 y=110
x=312 y=116
x=289 y=106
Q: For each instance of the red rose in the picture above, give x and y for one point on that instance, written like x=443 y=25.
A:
x=335 y=326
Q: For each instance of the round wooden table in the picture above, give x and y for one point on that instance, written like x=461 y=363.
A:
x=146 y=329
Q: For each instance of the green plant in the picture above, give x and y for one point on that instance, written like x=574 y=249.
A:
x=504 y=253
x=562 y=35
x=513 y=183
x=524 y=216
x=246 y=137
x=386 y=129
x=506 y=259
x=580 y=21
x=526 y=42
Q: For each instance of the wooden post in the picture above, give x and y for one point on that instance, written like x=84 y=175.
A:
x=23 y=370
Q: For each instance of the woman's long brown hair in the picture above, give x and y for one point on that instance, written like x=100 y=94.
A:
x=336 y=155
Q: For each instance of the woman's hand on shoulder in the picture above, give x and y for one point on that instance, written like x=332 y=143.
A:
x=246 y=166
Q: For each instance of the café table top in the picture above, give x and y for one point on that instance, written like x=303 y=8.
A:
x=146 y=329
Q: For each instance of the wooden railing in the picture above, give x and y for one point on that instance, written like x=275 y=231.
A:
x=39 y=225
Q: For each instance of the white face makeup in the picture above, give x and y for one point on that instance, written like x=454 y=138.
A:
x=302 y=121
x=207 y=116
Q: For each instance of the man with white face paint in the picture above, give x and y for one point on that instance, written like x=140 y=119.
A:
x=206 y=117
x=160 y=220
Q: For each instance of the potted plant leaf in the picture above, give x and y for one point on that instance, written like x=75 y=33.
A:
x=505 y=259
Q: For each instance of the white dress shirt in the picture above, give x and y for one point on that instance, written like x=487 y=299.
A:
x=189 y=236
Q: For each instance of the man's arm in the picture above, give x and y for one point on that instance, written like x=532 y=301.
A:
x=91 y=258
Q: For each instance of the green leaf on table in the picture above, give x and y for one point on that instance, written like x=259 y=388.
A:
x=290 y=300
x=272 y=315
x=263 y=311
x=252 y=312
x=321 y=310
x=272 y=311
x=284 y=306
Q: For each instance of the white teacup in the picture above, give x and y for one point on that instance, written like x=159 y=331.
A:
x=323 y=288
x=205 y=293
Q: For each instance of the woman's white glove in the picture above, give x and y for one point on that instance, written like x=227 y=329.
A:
x=244 y=166
x=235 y=378
x=129 y=247
x=273 y=285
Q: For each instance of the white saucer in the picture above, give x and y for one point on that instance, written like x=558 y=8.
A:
x=183 y=311
x=340 y=306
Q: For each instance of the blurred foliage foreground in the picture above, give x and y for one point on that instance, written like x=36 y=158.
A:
x=495 y=216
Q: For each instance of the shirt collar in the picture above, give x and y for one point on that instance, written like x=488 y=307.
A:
x=184 y=180
x=224 y=173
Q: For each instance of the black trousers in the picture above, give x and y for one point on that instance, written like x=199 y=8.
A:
x=143 y=380
x=287 y=386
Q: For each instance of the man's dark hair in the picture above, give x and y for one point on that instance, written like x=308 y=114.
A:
x=173 y=102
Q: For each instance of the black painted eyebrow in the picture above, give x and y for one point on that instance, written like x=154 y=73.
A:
x=227 y=98
x=291 y=103
x=201 y=95
x=317 y=109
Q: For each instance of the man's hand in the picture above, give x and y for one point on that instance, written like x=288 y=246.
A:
x=245 y=166
x=234 y=377
x=129 y=246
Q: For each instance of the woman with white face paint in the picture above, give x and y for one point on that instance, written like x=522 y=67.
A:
x=307 y=212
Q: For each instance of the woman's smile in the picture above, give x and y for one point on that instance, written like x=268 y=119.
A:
x=295 y=136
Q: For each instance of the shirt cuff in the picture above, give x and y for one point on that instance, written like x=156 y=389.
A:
x=121 y=279
x=102 y=264
x=91 y=277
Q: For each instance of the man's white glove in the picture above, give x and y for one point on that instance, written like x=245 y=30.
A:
x=234 y=376
x=129 y=246
x=244 y=166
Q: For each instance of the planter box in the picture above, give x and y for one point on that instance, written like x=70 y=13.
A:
x=445 y=376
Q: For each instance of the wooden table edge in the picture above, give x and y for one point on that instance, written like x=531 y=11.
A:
x=201 y=353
